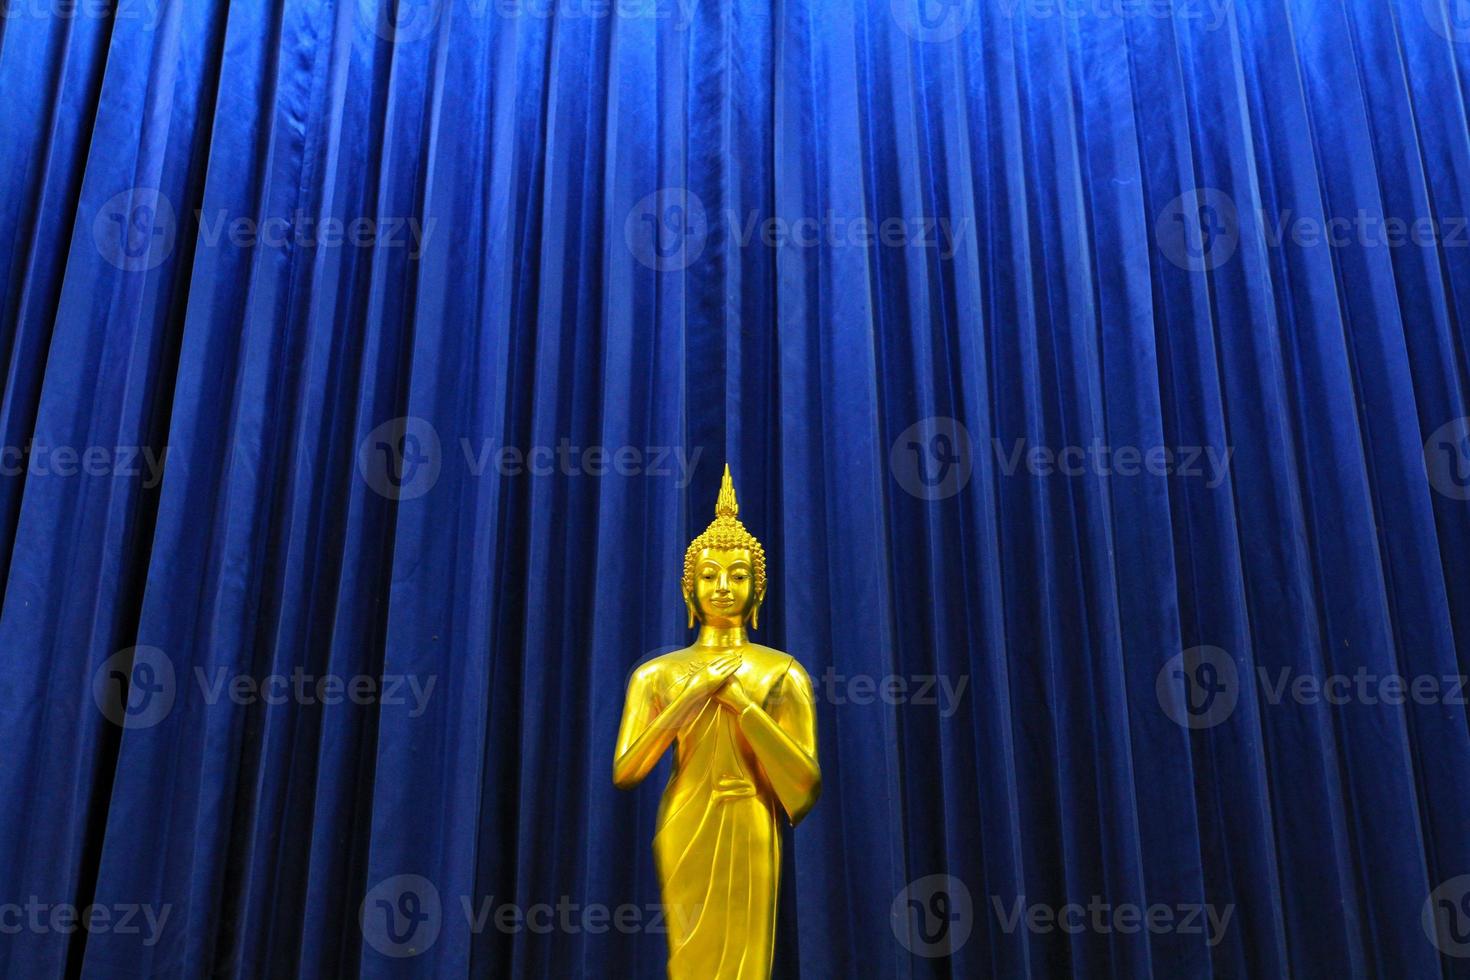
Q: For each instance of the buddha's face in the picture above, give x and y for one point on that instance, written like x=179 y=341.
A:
x=724 y=587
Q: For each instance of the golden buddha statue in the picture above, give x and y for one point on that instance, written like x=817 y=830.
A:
x=743 y=721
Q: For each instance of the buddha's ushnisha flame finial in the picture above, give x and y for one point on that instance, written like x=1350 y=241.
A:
x=725 y=505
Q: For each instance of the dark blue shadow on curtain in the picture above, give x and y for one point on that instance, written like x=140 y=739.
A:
x=1095 y=374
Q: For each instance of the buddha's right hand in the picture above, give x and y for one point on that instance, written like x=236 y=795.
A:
x=713 y=675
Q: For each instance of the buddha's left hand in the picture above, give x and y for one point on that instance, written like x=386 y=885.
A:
x=732 y=695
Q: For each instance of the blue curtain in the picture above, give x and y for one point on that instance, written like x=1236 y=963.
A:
x=1061 y=351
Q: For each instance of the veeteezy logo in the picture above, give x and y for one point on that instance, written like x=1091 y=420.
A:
x=411 y=21
x=1201 y=687
x=137 y=688
x=1209 y=463
x=403 y=458
x=303 y=231
x=402 y=916
x=1209 y=15
x=667 y=230
x=63 y=918
x=1101 y=917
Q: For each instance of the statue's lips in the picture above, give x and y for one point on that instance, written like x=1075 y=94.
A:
x=722 y=601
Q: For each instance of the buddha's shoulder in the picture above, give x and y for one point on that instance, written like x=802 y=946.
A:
x=777 y=666
x=763 y=658
x=673 y=664
x=768 y=658
x=675 y=661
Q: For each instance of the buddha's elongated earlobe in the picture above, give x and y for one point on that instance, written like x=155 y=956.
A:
x=689 y=605
x=755 y=612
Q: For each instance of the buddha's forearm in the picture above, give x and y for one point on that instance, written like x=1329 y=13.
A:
x=637 y=759
x=793 y=774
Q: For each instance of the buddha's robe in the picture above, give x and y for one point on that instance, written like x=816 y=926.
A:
x=717 y=849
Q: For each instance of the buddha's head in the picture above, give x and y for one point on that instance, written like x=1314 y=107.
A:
x=725 y=568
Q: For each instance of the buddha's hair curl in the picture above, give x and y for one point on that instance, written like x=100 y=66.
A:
x=726 y=532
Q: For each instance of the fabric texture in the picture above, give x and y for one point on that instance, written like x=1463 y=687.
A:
x=1092 y=372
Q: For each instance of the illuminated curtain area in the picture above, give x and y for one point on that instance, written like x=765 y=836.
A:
x=1094 y=374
